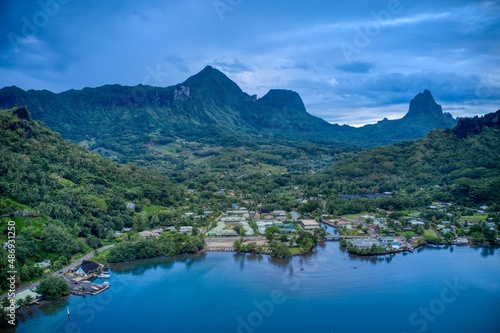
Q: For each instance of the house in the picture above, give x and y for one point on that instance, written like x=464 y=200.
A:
x=126 y=229
x=239 y=212
x=186 y=229
x=87 y=268
x=388 y=239
x=227 y=233
x=278 y=224
x=216 y=231
x=288 y=228
x=150 y=233
x=25 y=293
x=365 y=243
x=417 y=222
x=279 y=214
x=309 y=224
x=43 y=264
x=396 y=245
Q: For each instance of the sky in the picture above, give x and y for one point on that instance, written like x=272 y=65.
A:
x=352 y=62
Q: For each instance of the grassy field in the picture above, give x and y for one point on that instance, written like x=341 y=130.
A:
x=474 y=218
x=407 y=234
x=430 y=233
x=101 y=257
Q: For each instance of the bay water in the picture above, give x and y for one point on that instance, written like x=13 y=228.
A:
x=446 y=289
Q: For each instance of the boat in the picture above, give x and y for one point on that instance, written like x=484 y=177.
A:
x=104 y=276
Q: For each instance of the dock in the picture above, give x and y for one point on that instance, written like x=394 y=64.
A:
x=91 y=289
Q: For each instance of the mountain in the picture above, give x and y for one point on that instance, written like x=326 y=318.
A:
x=423 y=115
x=208 y=108
x=459 y=165
x=61 y=180
x=475 y=125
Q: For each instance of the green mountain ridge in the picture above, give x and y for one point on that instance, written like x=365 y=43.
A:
x=66 y=182
x=209 y=108
x=459 y=165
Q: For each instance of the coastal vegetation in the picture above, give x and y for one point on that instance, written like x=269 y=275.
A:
x=53 y=287
x=166 y=245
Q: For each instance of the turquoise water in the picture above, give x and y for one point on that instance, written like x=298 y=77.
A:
x=456 y=289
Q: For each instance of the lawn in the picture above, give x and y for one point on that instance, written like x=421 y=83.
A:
x=153 y=209
x=475 y=218
x=407 y=234
x=430 y=233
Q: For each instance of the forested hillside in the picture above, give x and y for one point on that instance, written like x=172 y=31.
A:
x=145 y=123
x=460 y=165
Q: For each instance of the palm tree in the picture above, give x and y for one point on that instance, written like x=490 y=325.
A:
x=29 y=300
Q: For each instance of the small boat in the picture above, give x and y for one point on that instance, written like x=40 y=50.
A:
x=67 y=309
x=104 y=276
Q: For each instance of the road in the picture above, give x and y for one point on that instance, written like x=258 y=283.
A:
x=73 y=264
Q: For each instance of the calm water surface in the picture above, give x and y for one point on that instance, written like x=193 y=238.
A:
x=454 y=289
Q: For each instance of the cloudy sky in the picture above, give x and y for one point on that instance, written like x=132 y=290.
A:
x=352 y=62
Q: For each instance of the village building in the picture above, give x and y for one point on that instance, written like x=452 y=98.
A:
x=309 y=224
x=87 y=268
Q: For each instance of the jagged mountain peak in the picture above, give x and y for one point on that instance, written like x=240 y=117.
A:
x=283 y=97
x=424 y=105
x=211 y=78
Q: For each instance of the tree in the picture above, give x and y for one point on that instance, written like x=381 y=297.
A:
x=57 y=239
x=279 y=250
x=53 y=287
x=239 y=229
x=270 y=231
x=237 y=245
x=93 y=241
x=29 y=299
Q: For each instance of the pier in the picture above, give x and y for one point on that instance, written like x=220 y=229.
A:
x=90 y=289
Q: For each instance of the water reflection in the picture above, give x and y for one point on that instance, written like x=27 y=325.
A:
x=487 y=251
x=139 y=267
x=53 y=307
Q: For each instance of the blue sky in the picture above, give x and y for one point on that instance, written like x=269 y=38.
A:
x=352 y=62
